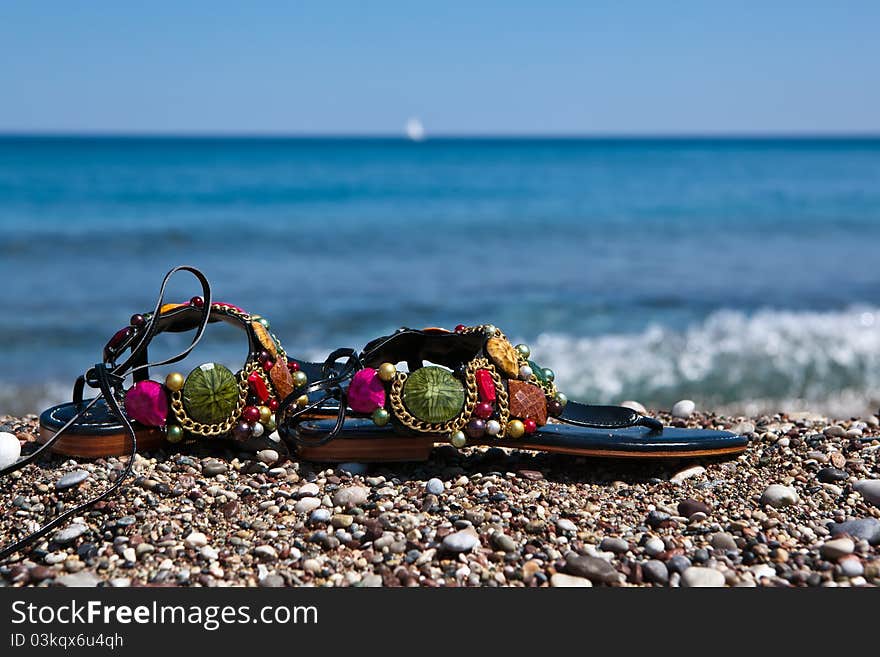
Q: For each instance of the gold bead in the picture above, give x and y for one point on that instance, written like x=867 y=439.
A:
x=265 y=413
x=515 y=429
x=387 y=371
x=299 y=379
x=174 y=381
x=302 y=401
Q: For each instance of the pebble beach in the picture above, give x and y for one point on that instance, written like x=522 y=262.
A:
x=798 y=508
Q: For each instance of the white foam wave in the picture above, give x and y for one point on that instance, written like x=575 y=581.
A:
x=730 y=357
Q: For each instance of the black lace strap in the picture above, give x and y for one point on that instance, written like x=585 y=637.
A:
x=331 y=385
x=109 y=378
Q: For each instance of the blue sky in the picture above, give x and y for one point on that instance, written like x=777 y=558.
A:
x=463 y=67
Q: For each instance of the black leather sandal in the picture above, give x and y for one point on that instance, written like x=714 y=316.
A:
x=470 y=386
x=211 y=402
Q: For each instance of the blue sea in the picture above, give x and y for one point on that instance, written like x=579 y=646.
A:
x=741 y=273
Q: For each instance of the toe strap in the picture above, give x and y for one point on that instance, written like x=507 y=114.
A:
x=606 y=417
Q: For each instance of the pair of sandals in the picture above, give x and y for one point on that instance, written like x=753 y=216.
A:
x=469 y=386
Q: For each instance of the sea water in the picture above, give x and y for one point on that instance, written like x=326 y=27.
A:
x=735 y=272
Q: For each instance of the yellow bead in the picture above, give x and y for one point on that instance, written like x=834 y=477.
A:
x=174 y=381
x=174 y=433
x=302 y=401
x=299 y=379
x=515 y=429
x=265 y=414
x=387 y=371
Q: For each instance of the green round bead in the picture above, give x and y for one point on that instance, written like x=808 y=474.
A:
x=174 y=433
x=433 y=394
x=380 y=417
x=538 y=371
x=524 y=350
x=264 y=322
x=458 y=439
x=210 y=393
x=561 y=398
x=549 y=374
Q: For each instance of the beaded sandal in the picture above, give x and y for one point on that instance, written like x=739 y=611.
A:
x=477 y=388
x=209 y=403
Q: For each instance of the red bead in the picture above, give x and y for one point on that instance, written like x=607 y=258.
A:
x=484 y=410
x=137 y=321
x=530 y=425
x=273 y=405
x=460 y=328
x=268 y=365
x=258 y=385
x=264 y=356
x=198 y=302
x=293 y=366
x=485 y=386
x=251 y=414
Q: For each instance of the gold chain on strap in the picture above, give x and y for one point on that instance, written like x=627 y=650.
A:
x=220 y=428
x=501 y=396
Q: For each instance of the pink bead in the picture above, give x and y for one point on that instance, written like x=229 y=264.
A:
x=366 y=392
x=147 y=403
x=485 y=386
x=258 y=386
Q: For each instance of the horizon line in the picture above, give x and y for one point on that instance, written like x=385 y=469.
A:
x=439 y=136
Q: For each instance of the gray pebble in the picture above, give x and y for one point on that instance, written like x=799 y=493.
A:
x=320 y=515
x=615 y=545
x=851 y=567
x=503 y=542
x=71 y=479
x=82 y=579
x=69 y=533
x=777 y=496
x=655 y=572
x=214 y=468
x=460 y=541
x=723 y=541
x=654 y=546
x=866 y=528
x=351 y=496
x=434 y=486
x=593 y=568
x=837 y=548
x=869 y=489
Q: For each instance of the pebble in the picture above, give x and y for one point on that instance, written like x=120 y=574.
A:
x=320 y=515
x=214 y=468
x=71 y=479
x=687 y=473
x=503 y=542
x=209 y=553
x=351 y=496
x=563 y=581
x=698 y=577
x=723 y=541
x=864 y=528
x=82 y=579
x=851 y=567
x=690 y=507
x=777 y=496
x=831 y=475
x=683 y=409
x=615 y=545
x=10 y=449
x=635 y=406
x=566 y=525
x=869 y=489
x=837 y=548
x=268 y=456
x=308 y=490
x=272 y=581
x=593 y=568
x=460 y=541
x=834 y=431
x=195 y=540
x=265 y=553
x=655 y=572
x=434 y=486
x=69 y=533
x=307 y=505
x=678 y=563
x=654 y=546
x=341 y=520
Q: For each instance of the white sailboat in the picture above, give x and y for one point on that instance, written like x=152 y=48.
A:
x=414 y=129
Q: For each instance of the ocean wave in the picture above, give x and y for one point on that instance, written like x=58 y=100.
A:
x=765 y=358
